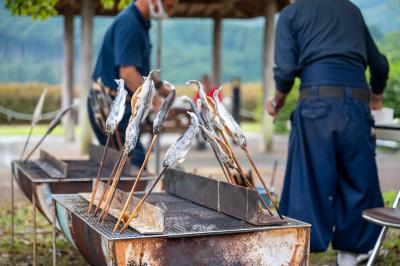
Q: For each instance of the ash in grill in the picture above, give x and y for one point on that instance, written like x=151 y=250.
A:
x=182 y=218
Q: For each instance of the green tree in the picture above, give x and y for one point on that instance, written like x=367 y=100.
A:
x=43 y=9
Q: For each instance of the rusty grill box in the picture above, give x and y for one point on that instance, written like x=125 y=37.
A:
x=193 y=235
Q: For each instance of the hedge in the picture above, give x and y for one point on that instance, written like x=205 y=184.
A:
x=23 y=98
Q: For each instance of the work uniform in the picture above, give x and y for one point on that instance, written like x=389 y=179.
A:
x=126 y=43
x=331 y=174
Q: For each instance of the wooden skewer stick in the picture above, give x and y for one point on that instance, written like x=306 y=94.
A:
x=113 y=186
x=153 y=141
x=119 y=139
x=133 y=213
x=261 y=180
x=240 y=169
x=26 y=142
x=108 y=183
x=99 y=173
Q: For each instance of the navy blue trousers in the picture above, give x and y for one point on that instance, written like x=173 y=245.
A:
x=138 y=154
x=331 y=174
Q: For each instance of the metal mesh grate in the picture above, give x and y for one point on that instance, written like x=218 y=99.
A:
x=183 y=218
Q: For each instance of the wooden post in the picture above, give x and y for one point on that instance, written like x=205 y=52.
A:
x=268 y=63
x=217 y=51
x=87 y=14
x=68 y=78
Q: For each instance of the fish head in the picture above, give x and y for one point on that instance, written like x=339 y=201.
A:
x=216 y=95
x=195 y=120
x=120 y=83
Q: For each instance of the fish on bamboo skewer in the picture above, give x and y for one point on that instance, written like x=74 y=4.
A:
x=140 y=111
x=37 y=113
x=175 y=155
x=131 y=138
x=202 y=121
x=133 y=107
x=203 y=99
x=158 y=124
x=226 y=154
x=234 y=129
x=115 y=116
x=53 y=123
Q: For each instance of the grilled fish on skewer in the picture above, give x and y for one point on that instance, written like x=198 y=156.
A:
x=115 y=116
x=146 y=94
x=203 y=98
x=216 y=145
x=133 y=131
x=229 y=121
x=117 y=108
x=175 y=154
x=236 y=131
x=132 y=136
x=35 y=119
x=201 y=118
x=162 y=114
x=157 y=126
x=53 y=123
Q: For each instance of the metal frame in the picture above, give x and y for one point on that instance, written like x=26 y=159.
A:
x=173 y=237
x=382 y=234
x=34 y=231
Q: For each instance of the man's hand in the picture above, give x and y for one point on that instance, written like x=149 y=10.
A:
x=275 y=104
x=375 y=101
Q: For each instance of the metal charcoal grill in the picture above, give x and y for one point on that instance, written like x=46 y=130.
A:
x=38 y=180
x=193 y=235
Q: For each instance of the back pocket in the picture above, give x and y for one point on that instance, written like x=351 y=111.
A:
x=314 y=109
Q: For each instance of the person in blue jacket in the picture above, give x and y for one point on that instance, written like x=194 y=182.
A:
x=331 y=173
x=125 y=54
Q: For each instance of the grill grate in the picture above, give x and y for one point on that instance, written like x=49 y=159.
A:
x=182 y=218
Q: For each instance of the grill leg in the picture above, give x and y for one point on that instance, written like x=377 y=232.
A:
x=54 y=233
x=12 y=210
x=34 y=228
x=377 y=246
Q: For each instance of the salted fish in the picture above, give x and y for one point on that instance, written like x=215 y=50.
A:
x=117 y=109
x=177 y=152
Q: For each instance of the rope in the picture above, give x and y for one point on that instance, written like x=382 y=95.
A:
x=27 y=117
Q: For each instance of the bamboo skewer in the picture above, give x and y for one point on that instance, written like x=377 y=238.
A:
x=53 y=123
x=112 y=188
x=35 y=119
x=261 y=180
x=26 y=142
x=153 y=141
x=119 y=138
x=108 y=183
x=133 y=213
x=99 y=174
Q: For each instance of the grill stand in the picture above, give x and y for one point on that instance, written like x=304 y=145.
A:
x=33 y=181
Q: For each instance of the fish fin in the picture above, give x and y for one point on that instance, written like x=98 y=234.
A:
x=134 y=100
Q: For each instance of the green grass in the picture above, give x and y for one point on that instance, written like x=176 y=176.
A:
x=67 y=255
x=23 y=130
x=251 y=127
x=21 y=254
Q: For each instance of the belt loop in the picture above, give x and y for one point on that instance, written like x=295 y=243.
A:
x=314 y=92
x=348 y=93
